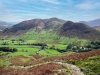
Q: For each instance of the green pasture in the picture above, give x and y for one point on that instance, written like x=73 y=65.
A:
x=48 y=37
x=49 y=52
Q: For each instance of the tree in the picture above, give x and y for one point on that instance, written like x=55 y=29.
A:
x=12 y=40
x=43 y=47
x=52 y=47
x=4 y=43
x=69 y=47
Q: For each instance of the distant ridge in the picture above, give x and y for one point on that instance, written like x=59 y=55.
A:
x=92 y=23
x=4 y=25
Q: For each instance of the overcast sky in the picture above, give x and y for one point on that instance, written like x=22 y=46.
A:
x=74 y=10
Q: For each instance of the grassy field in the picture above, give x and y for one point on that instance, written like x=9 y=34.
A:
x=25 y=49
x=49 y=52
x=50 y=38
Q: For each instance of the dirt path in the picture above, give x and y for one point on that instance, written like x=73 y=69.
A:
x=7 y=61
x=74 y=69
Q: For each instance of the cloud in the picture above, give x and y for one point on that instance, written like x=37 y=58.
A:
x=10 y=17
x=52 y=1
x=1 y=5
x=69 y=1
x=40 y=8
x=21 y=17
x=23 y=11
x=88 y=5
x=23 y=0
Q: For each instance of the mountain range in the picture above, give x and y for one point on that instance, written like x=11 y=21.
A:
x=92 y=23
x=60 y=27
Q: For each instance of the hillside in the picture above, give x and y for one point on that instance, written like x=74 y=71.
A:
x=92 y=23
x=54 y=27
x=38 y=25
x=80 y=30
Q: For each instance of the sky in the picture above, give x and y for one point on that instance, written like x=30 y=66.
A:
x=74 y=10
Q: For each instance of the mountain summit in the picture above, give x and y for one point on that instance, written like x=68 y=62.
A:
x=80 y=30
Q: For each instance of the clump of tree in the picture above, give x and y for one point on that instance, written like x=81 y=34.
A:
x=5 y=43
x=61 y=50
x=58 y=49
x=52 y=47
x=95 y=44
x=7 y=49
x=39 y=44
x=13 y=40
x=2 y=39
x=43 y=47
x=91 y=46
x=19 y=42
